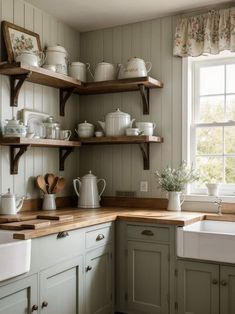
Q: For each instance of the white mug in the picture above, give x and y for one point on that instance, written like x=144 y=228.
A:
x=65 y=135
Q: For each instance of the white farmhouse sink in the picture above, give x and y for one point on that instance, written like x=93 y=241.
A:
x=207 y=240
x=15 y=255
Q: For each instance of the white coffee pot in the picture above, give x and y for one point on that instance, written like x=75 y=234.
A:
x=104 y=71
x=10 y=204
x=86 y=189
x=135 y=67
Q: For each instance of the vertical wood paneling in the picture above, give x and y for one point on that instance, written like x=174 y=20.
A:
x=35 y=97
x=121 y=165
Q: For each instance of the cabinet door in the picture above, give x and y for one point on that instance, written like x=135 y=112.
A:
x=148 y=271
x=61 y=288
x=19 y=297
x=98 y=292
x=227 y=290
x=198 y=288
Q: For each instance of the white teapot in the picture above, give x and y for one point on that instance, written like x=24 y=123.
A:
x=10 y=204
x=87 y=191
x=104 y=71
x=135 y=67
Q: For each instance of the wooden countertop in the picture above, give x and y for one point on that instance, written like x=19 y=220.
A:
x=85 y=218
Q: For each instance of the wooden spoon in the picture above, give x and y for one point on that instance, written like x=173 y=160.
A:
x=54 y=184
x=49 y=177
x=41 y=184
x=60 y=185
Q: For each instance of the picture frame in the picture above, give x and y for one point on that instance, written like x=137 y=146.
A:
x=17 y=39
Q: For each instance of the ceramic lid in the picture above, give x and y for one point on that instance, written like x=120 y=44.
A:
x=85 y=124
x=8 y=194
x=117 y=113
x=77 y=63
x=13 y=122
x=89 y=176
x=57 y=48
x=50 y=121
x=135 y=59
x=105 y=63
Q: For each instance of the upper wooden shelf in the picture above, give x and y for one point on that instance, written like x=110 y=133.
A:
x=109 y=140
x=116 y=86
x=39 y=75
x=22 y=144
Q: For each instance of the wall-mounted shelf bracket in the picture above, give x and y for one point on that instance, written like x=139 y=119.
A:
x=64 y=152
x=16 y=82
x=15 y=157
x=65 y=93
x=144 y=92
x=145 y=148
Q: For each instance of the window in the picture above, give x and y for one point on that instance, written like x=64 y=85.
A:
x=211 y=122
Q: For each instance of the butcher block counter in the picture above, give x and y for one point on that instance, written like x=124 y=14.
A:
x=34 y=224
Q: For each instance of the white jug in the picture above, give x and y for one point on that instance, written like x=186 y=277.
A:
x=174 y=202
x=87 y=191
x=135 y=67
x=104 y=71
x=10 y=204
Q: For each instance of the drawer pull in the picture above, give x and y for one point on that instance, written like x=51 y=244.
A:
x=215 y=281
x=100 y=237
x=62 y=234
x=34 y=308
x=223 y=283
x=147 y=232
x=44 y=304
x=88 y=268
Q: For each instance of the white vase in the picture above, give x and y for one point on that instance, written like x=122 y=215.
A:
x=213 y=189
x=49 y=202
x=174 y=201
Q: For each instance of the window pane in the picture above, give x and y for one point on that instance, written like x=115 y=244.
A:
x=211 y=109
x=230 y=170
x=211 y=169
x=229 y=134
x=209 y=141
x=230 y=107
x=230 y=78
x=212 y=80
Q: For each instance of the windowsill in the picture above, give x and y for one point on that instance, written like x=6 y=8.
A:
x=209 y=199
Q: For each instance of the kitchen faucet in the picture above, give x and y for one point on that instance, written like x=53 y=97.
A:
x=218 y=202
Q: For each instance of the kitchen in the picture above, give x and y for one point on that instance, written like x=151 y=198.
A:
x=132 y=255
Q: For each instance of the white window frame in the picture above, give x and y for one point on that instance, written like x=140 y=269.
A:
x=188 y=98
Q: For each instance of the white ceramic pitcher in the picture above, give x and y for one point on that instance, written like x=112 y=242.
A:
x=10 y=204
x=86 y=189
x=174 y=201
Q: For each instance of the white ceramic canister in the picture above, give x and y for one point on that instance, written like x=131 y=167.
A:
x=146 y=128
x=58 y=56
x=135 y=67
x=49 y=202
x=78 y=70
x=15 y=128
x=116 y=123
x=105 y=71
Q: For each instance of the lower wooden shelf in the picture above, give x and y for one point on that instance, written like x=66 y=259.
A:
x=19 y=145
x=143 y=142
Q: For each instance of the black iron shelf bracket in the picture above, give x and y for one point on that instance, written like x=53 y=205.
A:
x=145 y=95
x=16 y=82
x=145 y=150
x=65 y=93
x=64 y=152
x=15 y=157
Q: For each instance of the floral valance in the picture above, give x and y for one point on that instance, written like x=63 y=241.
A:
x=207 y=33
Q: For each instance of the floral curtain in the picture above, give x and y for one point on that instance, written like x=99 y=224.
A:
x=207 y=33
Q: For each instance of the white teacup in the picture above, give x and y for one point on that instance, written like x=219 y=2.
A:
x=65 y=134
x=132 y=131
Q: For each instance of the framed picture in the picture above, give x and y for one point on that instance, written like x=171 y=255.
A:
x=19 y=39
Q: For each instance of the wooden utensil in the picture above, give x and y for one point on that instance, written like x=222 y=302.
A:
x=60 y=185
x=41 y=184
x=54 y=184
x=49 y=178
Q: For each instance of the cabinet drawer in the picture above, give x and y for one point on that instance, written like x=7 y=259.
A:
x=148 y=233
x=98 y=237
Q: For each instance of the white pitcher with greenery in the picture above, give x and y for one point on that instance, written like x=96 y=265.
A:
x=173 y=181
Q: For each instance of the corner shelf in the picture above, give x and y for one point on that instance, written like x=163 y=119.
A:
x=141 y=84
x=19 y=73
x=22 y=144
x=143 y=142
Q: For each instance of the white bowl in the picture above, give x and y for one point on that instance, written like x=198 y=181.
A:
x=132 y=131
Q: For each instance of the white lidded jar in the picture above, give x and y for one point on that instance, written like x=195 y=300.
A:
x=78 y=70
x=116 y=123
x=15 y=128
x=146 y=128
x=58 y=56
x=85 y=129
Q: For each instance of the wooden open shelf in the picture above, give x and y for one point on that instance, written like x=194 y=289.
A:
x=143 y=142
x=19 y=145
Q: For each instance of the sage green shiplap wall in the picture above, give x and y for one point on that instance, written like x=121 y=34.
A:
x=36 y=97
x=121 y=165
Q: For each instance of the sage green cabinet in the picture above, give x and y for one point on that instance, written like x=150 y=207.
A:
x=227 y=290
x=19 y=297
x=198 y=288
x=148 y=277
x=98 y=281
x=61 y=288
